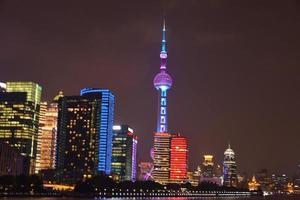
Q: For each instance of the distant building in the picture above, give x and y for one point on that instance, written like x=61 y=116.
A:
x=280 y=183
x=46 y=147
x=145 y=171
x=297 y=182
x=161 y=162
x=229 y=168
x=11 y=161
x=208 y=166
x=19 y=118
x=253 y=184
x=264 y=179
x=84 y=139
x=178 y=159
x=208 y=170
x=124 y=151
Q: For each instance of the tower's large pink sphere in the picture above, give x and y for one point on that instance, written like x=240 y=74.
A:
x=162 y=80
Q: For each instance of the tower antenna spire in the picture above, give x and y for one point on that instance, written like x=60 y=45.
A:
x=163 y=52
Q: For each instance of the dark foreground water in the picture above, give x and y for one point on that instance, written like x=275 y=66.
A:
x=161 y=198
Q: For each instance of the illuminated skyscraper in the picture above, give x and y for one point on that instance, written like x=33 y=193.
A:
x=19 y=118
x=84 y=138
x=124 y=148
x=229 y=168
x=46 y=152
x=161 y=160
x=106 y=124
x=178 y=164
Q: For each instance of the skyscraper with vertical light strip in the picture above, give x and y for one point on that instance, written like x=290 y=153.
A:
x=84 y=139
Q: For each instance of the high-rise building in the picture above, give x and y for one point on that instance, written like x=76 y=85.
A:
x=178 y=161
x=124 y=148
x=208 y=166
x=46 y=146
x=11 y=161
x=84 y=139
x=229 y=168
x=162 y=139
x=19 y=118
x=161 y=161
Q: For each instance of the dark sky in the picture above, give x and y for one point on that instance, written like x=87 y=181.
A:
x=235 y=65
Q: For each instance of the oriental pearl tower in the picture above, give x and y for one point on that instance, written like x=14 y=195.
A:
x=162 y=82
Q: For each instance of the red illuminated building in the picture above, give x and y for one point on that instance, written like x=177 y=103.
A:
x=178 y=164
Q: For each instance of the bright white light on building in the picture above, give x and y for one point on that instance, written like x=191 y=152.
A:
x=116 y=127
x=130 y=129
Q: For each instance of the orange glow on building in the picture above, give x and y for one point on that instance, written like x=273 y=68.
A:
x=178 y=164
x=253 y=184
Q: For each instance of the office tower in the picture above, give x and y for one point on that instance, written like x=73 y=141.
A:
x=178 y=162
x=264 y=179
x=39 y=163
x=208 y=166
x=145 y=171
x=162 y=82
x=229 y=168
x=161 y=161
x=84 y=139
x=46 y=152
x=19 y=117
x=280 y=183
x=11 y=161
x=124 y=148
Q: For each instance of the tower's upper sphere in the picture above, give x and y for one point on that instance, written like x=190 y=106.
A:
x=162 y=80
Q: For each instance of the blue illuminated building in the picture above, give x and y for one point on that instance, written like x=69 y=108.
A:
x=106 y=125
x=163 y=82
x=84 y=139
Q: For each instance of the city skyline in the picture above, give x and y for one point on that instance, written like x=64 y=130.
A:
x=235 y=92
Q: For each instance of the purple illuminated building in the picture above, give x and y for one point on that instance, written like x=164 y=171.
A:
x=162 y=82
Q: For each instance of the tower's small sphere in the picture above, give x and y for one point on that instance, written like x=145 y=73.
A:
x=162 y=81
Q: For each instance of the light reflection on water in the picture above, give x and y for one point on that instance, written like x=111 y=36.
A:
x=160 y=198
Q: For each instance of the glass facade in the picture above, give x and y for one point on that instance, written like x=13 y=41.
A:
x=19 y=117
x=46 y=147
x=124 y=151
x=106 y=125
x=84 y=135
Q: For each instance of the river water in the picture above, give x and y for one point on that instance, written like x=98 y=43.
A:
x=162 y=198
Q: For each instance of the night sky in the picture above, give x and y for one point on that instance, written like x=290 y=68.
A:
x=235 y=65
